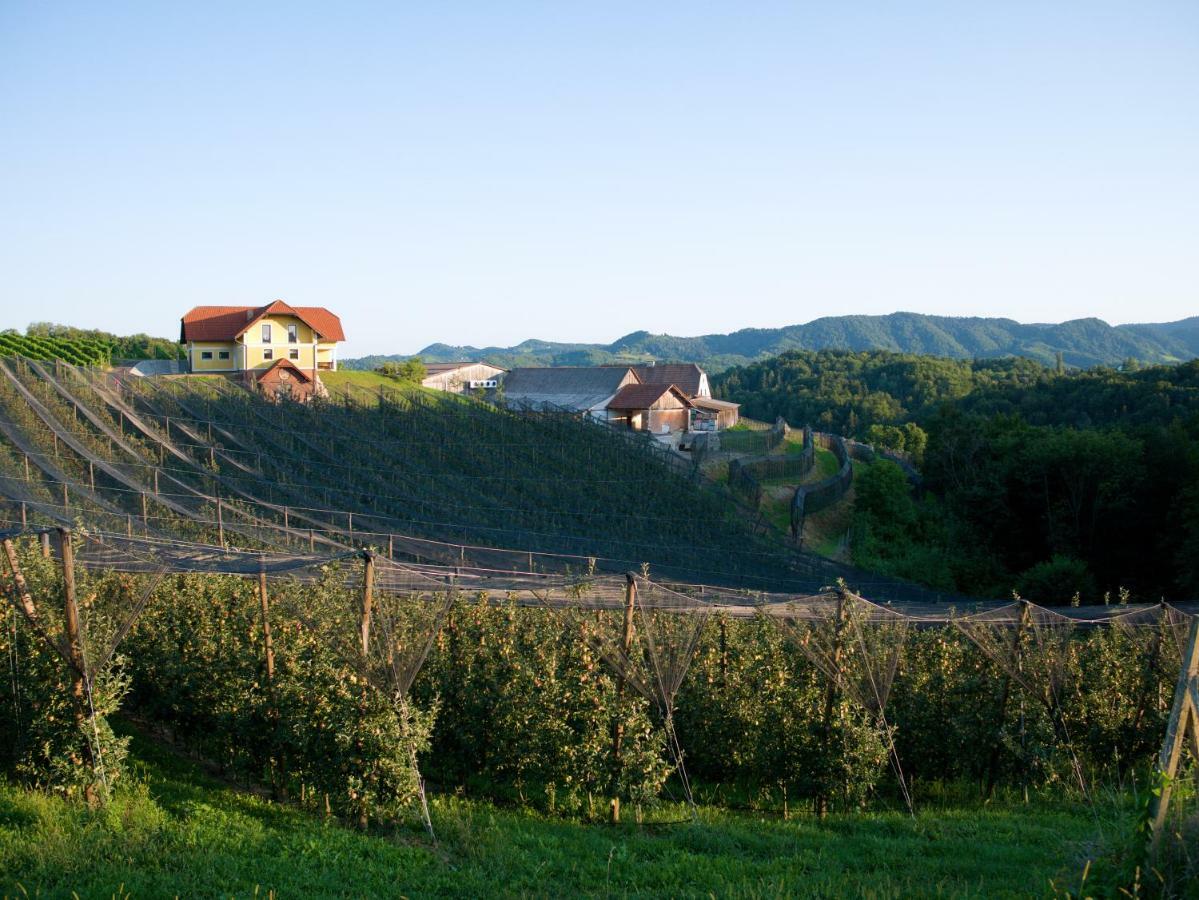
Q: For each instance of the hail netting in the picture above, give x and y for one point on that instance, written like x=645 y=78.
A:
x=404 y=623
x=105 y=616
x=1030 y=644
x=854 y=643
x=1160 y=633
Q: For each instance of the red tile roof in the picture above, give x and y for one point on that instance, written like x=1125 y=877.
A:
x=227 y=323
x=643 y=396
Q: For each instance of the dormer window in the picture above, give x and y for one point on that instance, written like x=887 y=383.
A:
x=293 y=335
x=266 y=332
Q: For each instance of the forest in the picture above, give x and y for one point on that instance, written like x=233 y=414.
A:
x=1051 y=482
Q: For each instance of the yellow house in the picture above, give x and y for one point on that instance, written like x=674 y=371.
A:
x=254 y=338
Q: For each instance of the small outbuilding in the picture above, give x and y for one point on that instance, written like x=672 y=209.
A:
x=709 y=414
x=656 y=408
x=284 y=380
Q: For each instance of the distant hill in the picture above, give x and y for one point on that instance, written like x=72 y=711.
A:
x=1082 y=342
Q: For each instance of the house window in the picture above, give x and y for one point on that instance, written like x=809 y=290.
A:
x=294 y=354
x=293 y=336
x=205 y=354
x=224 y=354
x=268 y=353
x=266 y=332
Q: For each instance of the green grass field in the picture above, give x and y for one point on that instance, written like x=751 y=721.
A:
x=179 y=832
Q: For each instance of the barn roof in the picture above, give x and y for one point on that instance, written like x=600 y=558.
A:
x=444 y=368
x=228 y=323
x=714 y=404
x=570 y=387
x=644 y=396
x=686 y=376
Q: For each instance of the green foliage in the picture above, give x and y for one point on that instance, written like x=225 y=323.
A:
x=44 y=735
x=318 y=727
x=909 y=439
x=1057 y=581
x=116 y=347
x=1020 y=464
x=178 y=831
x=79 y=352
x=410 y=371
x=527 y=712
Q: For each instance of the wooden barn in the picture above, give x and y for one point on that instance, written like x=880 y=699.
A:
x=656 y=408
x=457 y=377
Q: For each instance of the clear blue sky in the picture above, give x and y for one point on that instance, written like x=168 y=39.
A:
x=486 y=172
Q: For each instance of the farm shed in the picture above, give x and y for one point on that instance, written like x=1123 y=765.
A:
x=714 y=415
x=657 y=408
x=585 y=389
x=457 y=377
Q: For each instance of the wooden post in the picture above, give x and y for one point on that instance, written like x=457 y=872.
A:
x=75 y=649
x=66 y=501
x=27 y=476
x=220 y=522
x=1183 y=726
x=285 y=520
x=91 y=474
x=724 y=649
x=156 y=480
x=27 y=609
x=391 y=546
x=626 y=645
x=24 y=518
x=311 y=541
x=1005 y=694
x=145 y=515
x=368 y=594
x=368 y=591
x=280 y=774
x=830 y=695
x=44 y=539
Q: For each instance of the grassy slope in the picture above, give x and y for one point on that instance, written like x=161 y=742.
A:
x=776 y=503
x=180 y=832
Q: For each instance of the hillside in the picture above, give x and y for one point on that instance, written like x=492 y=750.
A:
x=1082 y=343
x=1089 y=476
x=419 y=464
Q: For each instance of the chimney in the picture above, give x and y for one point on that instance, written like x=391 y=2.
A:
x=249 y=314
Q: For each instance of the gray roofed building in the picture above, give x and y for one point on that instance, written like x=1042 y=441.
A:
x=579 y=388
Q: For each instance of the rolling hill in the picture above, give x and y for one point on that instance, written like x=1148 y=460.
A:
x=1082 y=343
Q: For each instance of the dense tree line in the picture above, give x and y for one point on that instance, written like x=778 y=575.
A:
x=1039 y=480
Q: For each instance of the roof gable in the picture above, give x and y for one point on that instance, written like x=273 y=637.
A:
x=274 y=368
x=228 y=323
x=688 y=377
x=644 y=396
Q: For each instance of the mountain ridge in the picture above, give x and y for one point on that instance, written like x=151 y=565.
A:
x=1083 y=343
